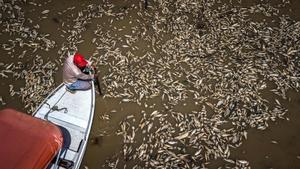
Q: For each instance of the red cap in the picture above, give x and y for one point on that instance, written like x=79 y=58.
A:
x=79 y=60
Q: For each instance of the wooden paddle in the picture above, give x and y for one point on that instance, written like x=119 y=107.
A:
x=146 y=4
x=96 y=81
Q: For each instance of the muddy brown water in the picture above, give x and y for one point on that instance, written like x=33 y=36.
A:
x=276 y=147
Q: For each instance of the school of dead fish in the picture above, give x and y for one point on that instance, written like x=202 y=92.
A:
x=211 y=54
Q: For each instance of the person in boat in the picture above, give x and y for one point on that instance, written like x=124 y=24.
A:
x=76 y=73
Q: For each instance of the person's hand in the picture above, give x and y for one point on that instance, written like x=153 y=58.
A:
x=92 y=76
x=90 y=63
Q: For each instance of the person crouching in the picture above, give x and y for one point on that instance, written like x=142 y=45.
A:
x=73 y=76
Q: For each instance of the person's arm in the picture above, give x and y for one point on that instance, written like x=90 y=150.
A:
x=83 y=76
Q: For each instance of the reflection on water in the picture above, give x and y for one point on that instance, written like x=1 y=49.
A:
x=186 y=83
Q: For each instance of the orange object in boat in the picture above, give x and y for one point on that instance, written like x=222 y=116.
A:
x=27 y=142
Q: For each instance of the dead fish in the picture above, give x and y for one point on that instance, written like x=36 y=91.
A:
x=45 y=11
x=182 y=136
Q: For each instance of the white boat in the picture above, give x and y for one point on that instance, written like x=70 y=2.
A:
x=56 y=137
x=73 y=114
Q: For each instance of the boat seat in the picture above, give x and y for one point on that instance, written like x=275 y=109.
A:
x=69 y=131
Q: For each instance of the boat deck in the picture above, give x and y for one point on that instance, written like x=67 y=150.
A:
x=72 y=113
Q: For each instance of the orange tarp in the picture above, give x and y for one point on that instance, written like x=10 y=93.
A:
x=27 y=142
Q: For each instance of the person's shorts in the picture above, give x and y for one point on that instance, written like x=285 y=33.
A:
x=80 y=85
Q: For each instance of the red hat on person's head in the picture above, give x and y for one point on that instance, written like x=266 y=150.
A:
x=79 y=60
